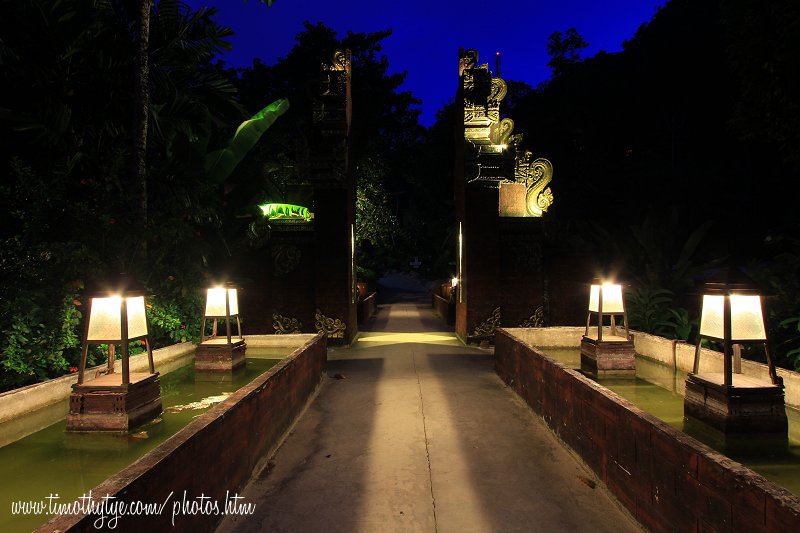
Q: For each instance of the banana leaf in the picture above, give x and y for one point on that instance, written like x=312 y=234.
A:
x=221 y=163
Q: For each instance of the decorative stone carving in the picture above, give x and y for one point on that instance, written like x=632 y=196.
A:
x=284 y=325
x=536 y=175
x=536 y=320
x=504 y=130
x=334 y=328
x=467 y=61
x=331 y=117
x=285 y=258
x=488 y=326
x=491 y=151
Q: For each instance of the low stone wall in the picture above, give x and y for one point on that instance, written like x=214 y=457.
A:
x=216 y=454
x=666 y=479
x=367 y=307
x=442 y=307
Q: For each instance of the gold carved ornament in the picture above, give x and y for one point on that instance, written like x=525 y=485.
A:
x=536 y=320
x=284 y=325
x=334 y=328
x=536 y=175
x=488 y=326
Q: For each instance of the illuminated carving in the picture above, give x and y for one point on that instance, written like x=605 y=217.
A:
x=284 y=325
x=467 y=61
x=336 y=74
x=488 y=326
x=340 y=61
x=334 y=328
x=536 y=175
x=492 y=155
x=536 y=320
x=504 y=130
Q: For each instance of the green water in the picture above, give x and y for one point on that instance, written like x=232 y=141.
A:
x=659 y=391
x=53 y=462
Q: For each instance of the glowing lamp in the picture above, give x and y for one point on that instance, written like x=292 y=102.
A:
x=116 y=317
x=732 y=315
x=730 y=401
x=454 y=282
x=113 y=401
x=606 y=299
x=106 y=318
x=220 y=354
x=221 y=303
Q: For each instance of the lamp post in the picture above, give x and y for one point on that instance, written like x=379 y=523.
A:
x=612 y=352
x=220 y=353
x=111 y=401
x=732 y=401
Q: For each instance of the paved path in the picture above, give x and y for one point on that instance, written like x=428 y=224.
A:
x=419 y=434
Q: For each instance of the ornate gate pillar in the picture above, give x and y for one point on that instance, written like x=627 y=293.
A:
x=334 y=204
x=501 y=196
x=304 y=279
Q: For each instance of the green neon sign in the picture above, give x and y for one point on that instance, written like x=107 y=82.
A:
x=273 y=210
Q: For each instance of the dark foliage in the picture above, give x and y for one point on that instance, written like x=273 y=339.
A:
x=66 y=208
x=673 y=156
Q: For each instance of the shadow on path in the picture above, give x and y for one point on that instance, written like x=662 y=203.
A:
x=413 y=431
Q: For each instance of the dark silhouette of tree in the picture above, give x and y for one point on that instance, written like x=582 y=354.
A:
x=517 y=90
x=764 y=53
x=141 y=110
x=69 y=211
x=691 y=131
x=564 y=50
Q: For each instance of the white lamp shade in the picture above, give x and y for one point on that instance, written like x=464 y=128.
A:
x=747 y=320
x=454 y=282
x=215 y=302
x=612 y=298
x=105 y=320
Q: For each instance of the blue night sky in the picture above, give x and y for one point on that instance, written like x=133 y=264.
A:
x=427 y=34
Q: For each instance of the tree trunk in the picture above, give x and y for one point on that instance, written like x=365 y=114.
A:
x=138 y=175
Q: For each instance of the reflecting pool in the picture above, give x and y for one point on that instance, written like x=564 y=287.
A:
x=658 y=390
x=50 y=463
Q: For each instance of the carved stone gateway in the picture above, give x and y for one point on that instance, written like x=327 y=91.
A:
x=502 y=193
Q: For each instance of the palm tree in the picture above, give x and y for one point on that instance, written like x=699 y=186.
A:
x=141 y=108
x=138 y=172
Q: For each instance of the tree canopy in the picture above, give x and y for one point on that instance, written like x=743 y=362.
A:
x=674 y=155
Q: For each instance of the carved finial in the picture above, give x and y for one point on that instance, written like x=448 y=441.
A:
x=340 y=61
x=499 y=91
x=467 y=61
x=504 y=131
x=539 y=196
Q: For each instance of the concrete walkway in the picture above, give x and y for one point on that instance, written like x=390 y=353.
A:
x=412 y=431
